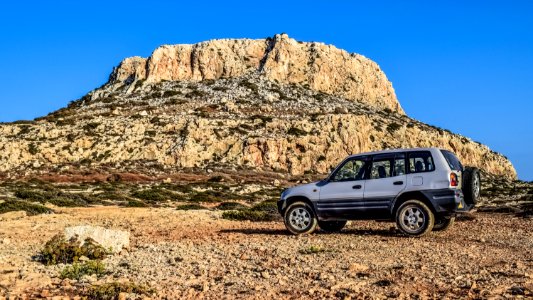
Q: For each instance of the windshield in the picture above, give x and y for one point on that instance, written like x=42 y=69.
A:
x=452 y=160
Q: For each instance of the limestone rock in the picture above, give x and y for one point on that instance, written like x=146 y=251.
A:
x=113 y=240
x=323 y=68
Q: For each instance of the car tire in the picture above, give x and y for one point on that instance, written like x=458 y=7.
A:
x=332 y=226
x=443 y=223
x=414 y=218
x=300 y=218
x=471 y=185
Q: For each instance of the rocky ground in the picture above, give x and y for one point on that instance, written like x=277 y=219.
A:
x=191 y=237
x=193 y=254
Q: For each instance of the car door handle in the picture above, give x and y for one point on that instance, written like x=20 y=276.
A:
x=356 y=187
x=398 y=182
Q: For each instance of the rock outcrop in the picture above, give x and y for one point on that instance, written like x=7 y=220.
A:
x=112 y=240
x=274 y=104
x=321 y=67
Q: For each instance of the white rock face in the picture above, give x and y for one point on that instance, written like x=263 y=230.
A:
x=113 y=240
x=321 y=67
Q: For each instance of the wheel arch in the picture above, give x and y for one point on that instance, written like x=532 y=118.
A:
x=412 y=195
x=294 y=199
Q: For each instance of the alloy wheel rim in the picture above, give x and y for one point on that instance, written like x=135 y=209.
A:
x=413 y=219
x=300 y=218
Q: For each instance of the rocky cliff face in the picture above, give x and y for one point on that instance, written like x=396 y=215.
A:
x=274 y=104
x=322 y=68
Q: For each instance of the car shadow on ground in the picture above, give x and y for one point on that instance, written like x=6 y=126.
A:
x=364 y=232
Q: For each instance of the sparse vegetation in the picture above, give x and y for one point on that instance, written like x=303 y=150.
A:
x=55 y=197
x=77 y=270
x=135 y=203
x=190 y=207
x=392 y=127
x=32 y=148
x=244 y=215
x=231 y=206
x=314 y=250
x=155 y=194
x=168 y=94
x=112 y=290
x=296 y=131
x=30 y=208
x=264 y=211
x=58 y=250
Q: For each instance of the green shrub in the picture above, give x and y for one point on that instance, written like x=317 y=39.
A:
x=168 y=94
x=190 y=207
x=30 y=195
x=58 y=250
x=78 y=270
x=111 y=291
x=250 y=85
x=313 y=250
x=208 y=196
x=247 y=215
x=268 y=206
x=296 y=131
x=91 y=126
x=217 y=178
x=392 y=127
x=135 y=203
x=56 y=197
x=33 y=149
x=231 y=206
x=30 y=208
x=196 y=94
x=154 y=195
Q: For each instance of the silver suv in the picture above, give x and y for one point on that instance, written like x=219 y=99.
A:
x=421 y=189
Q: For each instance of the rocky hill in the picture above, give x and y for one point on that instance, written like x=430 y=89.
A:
x=269 y=105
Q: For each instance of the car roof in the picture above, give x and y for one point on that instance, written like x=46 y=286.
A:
x=394 y=151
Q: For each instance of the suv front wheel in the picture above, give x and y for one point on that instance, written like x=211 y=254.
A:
x=414 y=218
x=300 y=218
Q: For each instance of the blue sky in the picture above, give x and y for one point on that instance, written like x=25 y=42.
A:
x=467 y=67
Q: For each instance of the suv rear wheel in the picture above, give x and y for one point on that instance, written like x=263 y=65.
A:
x=443 y=223
x=331 y=226
x=414 y=218
x=300 y=218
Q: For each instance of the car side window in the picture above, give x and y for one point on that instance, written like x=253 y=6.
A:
x=352 y=170
x=399 y=165
x=421 y=162
x=381 y=168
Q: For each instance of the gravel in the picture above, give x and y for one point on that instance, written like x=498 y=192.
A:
x=190 y=254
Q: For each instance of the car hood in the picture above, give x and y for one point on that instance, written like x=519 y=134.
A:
x=309 y=190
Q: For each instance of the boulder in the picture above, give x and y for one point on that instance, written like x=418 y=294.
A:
x=110 y=239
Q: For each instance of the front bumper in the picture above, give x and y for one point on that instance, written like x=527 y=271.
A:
x=281 y=206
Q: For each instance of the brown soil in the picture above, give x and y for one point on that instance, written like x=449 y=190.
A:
x=196 y=253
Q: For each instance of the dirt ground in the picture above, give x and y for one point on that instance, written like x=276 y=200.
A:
x=197 y=254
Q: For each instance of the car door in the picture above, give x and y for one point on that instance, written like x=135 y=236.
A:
x=342 y=195
x=385 y=180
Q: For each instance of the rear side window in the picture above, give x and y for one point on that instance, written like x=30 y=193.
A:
x=399 y=165
x=452 y=160
x=420 y=162
x=381 y=168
